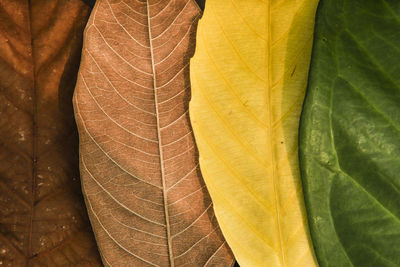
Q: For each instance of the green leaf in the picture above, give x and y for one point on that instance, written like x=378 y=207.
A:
x=350 y=134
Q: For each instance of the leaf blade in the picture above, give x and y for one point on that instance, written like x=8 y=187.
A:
x=145 y=194
x=244 y=129
x=349 y=172
x=43 y=220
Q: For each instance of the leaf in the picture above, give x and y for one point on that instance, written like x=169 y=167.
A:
x=43 y=221
x=350 y=134
x=248 y=75
x=146 y=198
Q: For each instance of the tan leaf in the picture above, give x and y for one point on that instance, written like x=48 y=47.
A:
x=43 y=221
x=146 y=198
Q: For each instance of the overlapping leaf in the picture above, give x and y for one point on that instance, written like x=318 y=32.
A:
x=43 y=221
x=249 y=74
x=145 y=195
x=350 y=134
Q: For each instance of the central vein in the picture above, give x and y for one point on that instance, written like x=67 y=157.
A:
x=271 y=134
x=169 y=240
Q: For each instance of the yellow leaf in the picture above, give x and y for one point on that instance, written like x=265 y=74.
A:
x=249 y=75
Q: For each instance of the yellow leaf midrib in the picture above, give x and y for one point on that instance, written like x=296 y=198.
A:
x=271 y=132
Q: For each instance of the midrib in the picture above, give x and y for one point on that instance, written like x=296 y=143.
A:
x=271 y=133
x=170 y=252
x=34 y=137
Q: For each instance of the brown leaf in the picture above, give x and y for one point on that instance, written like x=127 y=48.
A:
x=43 y=221
x=146 y=198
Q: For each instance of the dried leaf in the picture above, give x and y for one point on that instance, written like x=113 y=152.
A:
x=249 y=74
x=146 y=198
x=43 y=221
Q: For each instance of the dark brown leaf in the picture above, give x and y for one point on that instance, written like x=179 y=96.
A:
x=146 y=198
x=43 y=221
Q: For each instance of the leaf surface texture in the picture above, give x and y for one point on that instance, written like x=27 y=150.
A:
x=249 y=74
x=146 y=198
x=43 y=221
x=350 y=134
